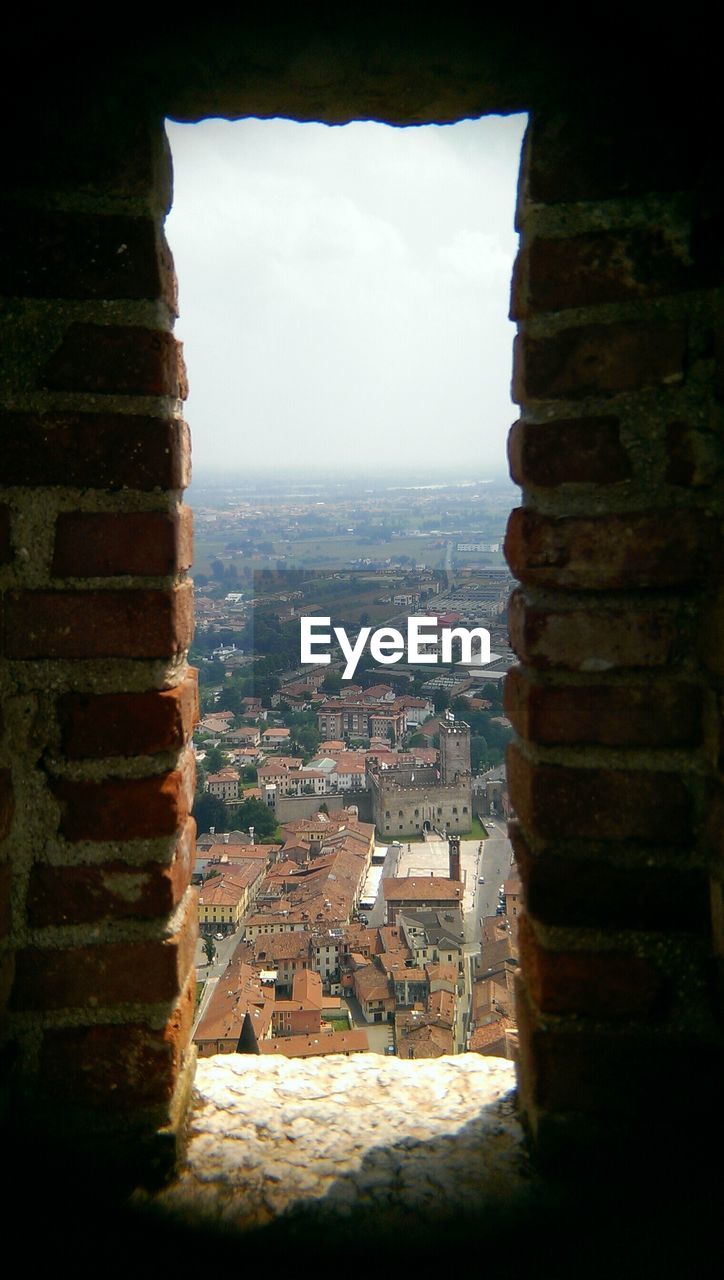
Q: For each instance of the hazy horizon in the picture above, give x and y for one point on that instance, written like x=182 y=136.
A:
x=344 y=295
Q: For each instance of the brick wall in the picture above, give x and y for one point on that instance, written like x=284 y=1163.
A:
x=617 y=621
x=617 y=625
x=96 y=774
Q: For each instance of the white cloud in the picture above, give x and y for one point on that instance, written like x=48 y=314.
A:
x=345 y=286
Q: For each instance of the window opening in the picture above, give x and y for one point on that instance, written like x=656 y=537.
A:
x=343 y=298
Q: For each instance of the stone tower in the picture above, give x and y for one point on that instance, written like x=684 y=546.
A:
x=454 y=749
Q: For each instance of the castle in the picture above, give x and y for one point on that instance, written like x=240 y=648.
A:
x=410 y=799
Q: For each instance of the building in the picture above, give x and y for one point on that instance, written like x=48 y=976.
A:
x=407 y=799
x=224 y=784
x=425 y=893
x=225 y=898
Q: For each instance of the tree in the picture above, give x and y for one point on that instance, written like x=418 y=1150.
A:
x=214 y=760
x=479 y=754
x=440 y=700
x=323 y=808
x=332 y=683
x=210 y=812
x=308 y=739
x=209 y=950
x=254 y=813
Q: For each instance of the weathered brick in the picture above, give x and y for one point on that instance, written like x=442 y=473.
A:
x=5 y=905
x=591 y=893
x=567 y=158
x=97 y=544
x=711 y=632
x=598 y=804
x=114 y=890
x=595 y=639
x=597 y=984
x=7 y=802
x=117 y=360
x=713 y=833
x=58 y=254
x=616 y=1073
x=126 y=808
x=7 y=978
x=719 y=361
x=6 y=551
x=639 y=549
x=567 y=451
x=598 y=360
x=128 y=724
x=654 y=714
x=107 y=974
x=117 y=1067
x=95 y=450
x=98 y=624
x=694 y=457
x=599 y=267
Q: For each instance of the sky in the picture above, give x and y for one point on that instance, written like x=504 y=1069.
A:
x=344 y=293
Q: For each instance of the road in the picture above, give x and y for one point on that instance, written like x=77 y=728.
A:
x=495 y=866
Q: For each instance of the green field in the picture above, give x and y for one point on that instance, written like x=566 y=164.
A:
x=477 y=830
x=336 y=1023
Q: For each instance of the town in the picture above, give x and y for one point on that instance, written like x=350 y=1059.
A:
x=357 y=891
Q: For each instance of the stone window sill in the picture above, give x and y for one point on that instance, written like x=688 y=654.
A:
x=272 y=1137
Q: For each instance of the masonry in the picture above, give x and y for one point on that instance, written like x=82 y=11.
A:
x=406 y=801
x=618 y=620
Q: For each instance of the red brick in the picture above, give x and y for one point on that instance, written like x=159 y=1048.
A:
x=95 y=450
x=99 y=624
x=117 y=360
x=128 y=159
x=97 y=544
x=566 y=158
x=126 y=808
x=5 y=904
x=589 y=640
x=710 y=638
x=567 y=451
x=7 y=978
x=7 y=802
x=117 y=1067
x=590 y=893
x=597 y=360
x=599 y=267
x=719 y=362
x=598 y=804
x=115 y=890
x=639 y=549
x=713 y=833
x=655 y=714
x=108 y=974
x=597 y=984
x=6 y=551
x=59 y=254
x=615 y=1073
x=694 y=457
x=128 y=724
